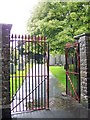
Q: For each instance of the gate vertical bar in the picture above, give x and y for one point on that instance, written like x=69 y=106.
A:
x=45 y=62
x=79 y=88
x=41 y=73
x=38 y=79
x=20 y=38
x=19 y=107
x=25 y=72
x=35 y=97
x=19 y=74
x=29 y=43
x=32 y=71
x=45 y=71
x=66 y=54
x=48 y=78
x=22 y=41
x=15 y=73
x=12 y=68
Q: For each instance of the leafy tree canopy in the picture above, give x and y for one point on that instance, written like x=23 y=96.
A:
x=59 y=22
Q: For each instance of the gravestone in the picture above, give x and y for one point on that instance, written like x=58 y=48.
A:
x=57 y=57
x=12 y=68
x=52 y=60
x=63 y=59
x=21 y=66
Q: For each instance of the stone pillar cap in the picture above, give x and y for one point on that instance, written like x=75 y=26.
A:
x=84 y=34
x=6 y=25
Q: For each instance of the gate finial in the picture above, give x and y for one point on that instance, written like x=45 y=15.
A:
x=15 y=36
x=12 y=36
x=25 y=37
x=28 y=37
x=22 y=37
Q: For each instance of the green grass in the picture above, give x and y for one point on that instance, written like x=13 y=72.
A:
x=16 y=80
x=74 y=79
x=60 y=73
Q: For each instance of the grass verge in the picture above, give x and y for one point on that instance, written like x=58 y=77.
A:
x=60 y=73
x=16 y=80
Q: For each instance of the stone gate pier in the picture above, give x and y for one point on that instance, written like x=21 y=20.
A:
x=84 y=40
x=5 y=71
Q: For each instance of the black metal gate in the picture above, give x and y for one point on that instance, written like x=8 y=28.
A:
x=73 y=70
x=29 y=73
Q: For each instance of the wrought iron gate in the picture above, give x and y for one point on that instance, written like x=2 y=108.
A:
x=29 y=73
x=73 y=70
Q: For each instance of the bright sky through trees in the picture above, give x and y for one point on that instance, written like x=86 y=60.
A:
x=16 y=12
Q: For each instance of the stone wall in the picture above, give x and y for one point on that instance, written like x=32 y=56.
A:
x=0 y=72
x=84 y=41
x=5 y=70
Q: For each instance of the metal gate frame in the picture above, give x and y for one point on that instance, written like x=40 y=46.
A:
x=33 y=50
x=73 y=70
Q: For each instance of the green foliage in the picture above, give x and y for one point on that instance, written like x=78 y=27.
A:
x=60 y=22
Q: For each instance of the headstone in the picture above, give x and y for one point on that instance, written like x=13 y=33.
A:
x=63 y=59
x=52 y=60
x=12 y=68
x=21 y=66
x=57 y=59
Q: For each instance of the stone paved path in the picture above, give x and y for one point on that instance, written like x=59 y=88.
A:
x=60 y=106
